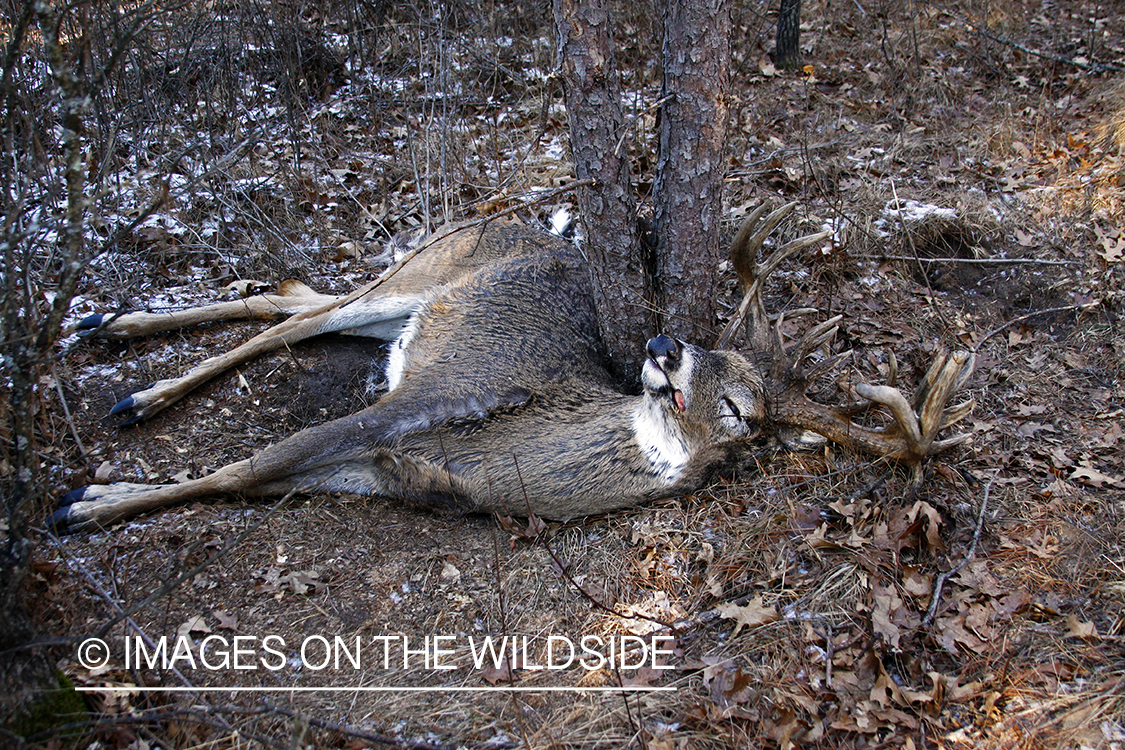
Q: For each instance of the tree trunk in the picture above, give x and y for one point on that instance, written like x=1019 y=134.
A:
x=27 y=347
x=688 y=189
x=787 y=54
x=592 y=86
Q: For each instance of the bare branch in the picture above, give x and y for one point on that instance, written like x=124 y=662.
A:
x=939 y=584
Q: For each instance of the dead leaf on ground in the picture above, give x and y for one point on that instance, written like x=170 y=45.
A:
x=1078 y=629
x=751 y=616
x=227 y=621
x=1087 y=474
x=504 y=673
x=194 y=624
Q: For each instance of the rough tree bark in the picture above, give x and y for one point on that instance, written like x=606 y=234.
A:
x=608 y=210
x=689 y=171
x=787 y=53
x=673 y=287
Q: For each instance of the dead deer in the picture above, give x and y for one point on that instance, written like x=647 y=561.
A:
x=500 y=398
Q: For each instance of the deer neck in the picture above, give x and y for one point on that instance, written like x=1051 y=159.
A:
x=661 y=439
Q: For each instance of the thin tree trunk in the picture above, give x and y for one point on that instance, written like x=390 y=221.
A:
x=787 y=54
x=688 y=190
x=607 y=210
x=26 y=671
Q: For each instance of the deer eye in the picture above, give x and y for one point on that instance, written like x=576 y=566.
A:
x=728 y=409
x=731 y=418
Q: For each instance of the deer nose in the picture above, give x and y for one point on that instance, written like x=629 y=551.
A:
x=663 y=346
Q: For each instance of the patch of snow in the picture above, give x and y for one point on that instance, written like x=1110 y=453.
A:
x=169 y=224
x=906 y=213
x=555 y=150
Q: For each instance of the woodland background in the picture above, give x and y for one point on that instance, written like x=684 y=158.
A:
x=968 y=157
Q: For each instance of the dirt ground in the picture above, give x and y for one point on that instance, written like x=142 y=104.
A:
x=813 y=599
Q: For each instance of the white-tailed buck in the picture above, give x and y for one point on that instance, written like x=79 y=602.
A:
x=500 y=398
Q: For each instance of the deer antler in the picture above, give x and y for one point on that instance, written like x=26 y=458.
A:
x=752 y=275
x=912 y=437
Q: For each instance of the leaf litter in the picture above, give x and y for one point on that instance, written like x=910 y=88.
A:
x=797 y=591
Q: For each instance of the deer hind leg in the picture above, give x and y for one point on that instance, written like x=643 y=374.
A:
x=292 y=297
x=377 y=316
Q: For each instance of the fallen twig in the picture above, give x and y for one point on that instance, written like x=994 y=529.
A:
x=939 y=584
x=1020 y=319
x=972 y=261
x=364 y=734
x=1092 y=67
x=129 y=621
x=148 y=718
x=66 y=412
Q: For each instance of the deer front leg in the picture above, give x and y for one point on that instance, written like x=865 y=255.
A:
x=336 y=455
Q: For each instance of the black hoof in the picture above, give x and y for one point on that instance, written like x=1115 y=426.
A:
x=72 y=497
x=124 y=406
x=90 y=324
x=60 y=519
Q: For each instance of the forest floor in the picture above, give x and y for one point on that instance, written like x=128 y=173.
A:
x=977 y=195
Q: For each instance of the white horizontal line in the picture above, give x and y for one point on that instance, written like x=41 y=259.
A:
x=349 y=689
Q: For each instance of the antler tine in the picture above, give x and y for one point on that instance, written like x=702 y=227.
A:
x=777 y=257
x=789 y=367
x=921 y=425
x=937 y=371
x=752 y=275
x=892 y=368
x=816 y=337
x=954 y=372
x=744 y=249
x=900 y=408
x=744 y=258
x=827 y=365
x=955 y=414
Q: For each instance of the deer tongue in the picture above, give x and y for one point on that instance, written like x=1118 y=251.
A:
x=678 y=397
